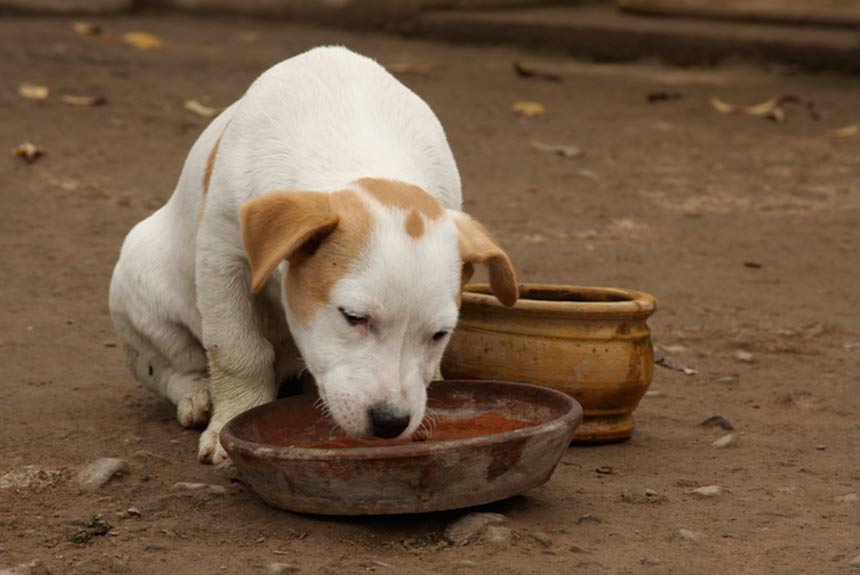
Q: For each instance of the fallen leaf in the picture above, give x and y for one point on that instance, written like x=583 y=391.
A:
x=557 y=149
x=142 y=40
x=670 y=363
x=33 y=92
x=847 y=131
x=201 y=109
x=652 y=97
x=28 y=151
x=87 y=28
x=769 y=109
x=524 y=72
x=407 y=68
x=83 y=100
x=529 y=109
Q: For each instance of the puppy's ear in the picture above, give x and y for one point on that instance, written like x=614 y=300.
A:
x=478 y=246
x=276 y=225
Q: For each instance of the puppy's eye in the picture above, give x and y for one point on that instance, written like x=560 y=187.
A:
x=353 y=320
x=439 y=335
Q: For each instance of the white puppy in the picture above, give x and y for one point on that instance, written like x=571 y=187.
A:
x=317 y=222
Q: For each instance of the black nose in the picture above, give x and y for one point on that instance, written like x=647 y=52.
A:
x=386 y=421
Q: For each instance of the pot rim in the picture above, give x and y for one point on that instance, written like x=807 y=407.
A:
x=631 y=302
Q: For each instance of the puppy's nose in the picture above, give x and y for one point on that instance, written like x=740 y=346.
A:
x=386 y=421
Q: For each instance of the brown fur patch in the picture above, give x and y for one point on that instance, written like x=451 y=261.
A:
x=414 y=224
x=312 y=274
x=478 y=246
x=403 y=196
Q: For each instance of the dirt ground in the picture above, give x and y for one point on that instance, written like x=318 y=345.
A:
x=669 y=197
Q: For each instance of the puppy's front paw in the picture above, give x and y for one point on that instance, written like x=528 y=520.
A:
x=193 y=407
x=210 y=450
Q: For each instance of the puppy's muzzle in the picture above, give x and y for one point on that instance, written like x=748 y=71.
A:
x=387 y=421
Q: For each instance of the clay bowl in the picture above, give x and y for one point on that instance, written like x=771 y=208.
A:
x=591 y=343
x=291 y=455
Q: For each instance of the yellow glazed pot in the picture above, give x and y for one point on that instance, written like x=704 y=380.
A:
x=591 y=343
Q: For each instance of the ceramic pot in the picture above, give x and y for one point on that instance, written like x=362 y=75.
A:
x=591 y=343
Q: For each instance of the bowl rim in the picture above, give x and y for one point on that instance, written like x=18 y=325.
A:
x=637 y=303
x=572 y=418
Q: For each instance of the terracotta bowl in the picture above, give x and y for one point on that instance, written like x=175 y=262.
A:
x=591 y=343
x=492 y=440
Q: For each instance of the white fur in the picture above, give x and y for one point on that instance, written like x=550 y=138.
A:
x=180 y=297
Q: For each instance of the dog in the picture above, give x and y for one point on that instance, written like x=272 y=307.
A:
x=316 y=225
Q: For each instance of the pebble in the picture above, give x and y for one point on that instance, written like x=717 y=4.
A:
x=498 y=535
x=578 y=549
x=541 y=538
x=689 y=535
x=850 y=498
x=725 y=441
x=588 y=518
x=281 y=568
x=855 y=563
x=460 y=531
x=744 y=356
x=708 y=491
x=717 y=421
x=34 y=567
x=725 y=379
x=199 y=487
x=98 y=473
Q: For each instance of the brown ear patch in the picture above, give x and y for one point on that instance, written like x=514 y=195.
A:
x=477 y=245
x=310 y=277
x=403 y=196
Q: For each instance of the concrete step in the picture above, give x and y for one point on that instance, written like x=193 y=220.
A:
x=600 y=32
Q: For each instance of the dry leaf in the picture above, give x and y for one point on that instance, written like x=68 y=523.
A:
x=28 y=150
x=83 y=100
x=524 y=72
x=557 y=149
x=529 y=109
x=406 y=68
x=847 y=131
x=87 y=28
x=769 y=109
x=201 y=109
x=142 y=40
x=33 y=92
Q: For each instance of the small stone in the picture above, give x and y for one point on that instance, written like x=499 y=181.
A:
x=651 y=493
x=708 y=491
x=727 y=379
x=588 y=518
x=281 y=568
x=460 y=531
x=186 y=486
x=744 y=356
x=717 y=421
x=855 y=563
x=850 y=498
x=498 y=535
x=689 y=535
x=109 y=343
x=821 y=447
x=725 y=441
x=541 y=538
x=578 y=549
x=654 y=393
x=98 y=473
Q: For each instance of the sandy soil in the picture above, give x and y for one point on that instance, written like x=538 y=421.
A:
x=671 y=198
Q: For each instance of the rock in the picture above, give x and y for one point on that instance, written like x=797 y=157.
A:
x=717 y=421
x=460 y=531
x=651 y=493
x=498 y=535
x=588 y=518
x=850 y=498
x=281 y=568
x=744 y=356
x=707 y=491
x=34 y=567
x=98 y=473
x=186 y=486
x=688 y=535
x=855 y=563
x=541 y=538
x=725 y=441
x=578 y=549
x=32 y=477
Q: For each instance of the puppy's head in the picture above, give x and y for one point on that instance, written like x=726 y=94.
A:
x=372 y=291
